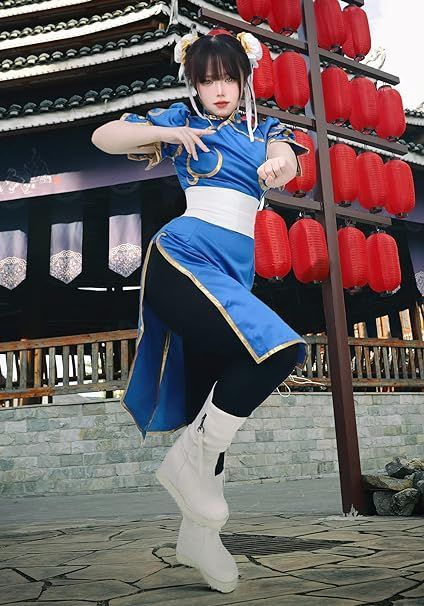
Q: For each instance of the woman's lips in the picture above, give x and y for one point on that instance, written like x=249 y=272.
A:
x=221 y=103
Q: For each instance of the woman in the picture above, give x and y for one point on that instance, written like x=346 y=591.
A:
x=208 y=351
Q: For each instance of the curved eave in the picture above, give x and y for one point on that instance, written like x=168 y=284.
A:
x=89 y=29
x=103 y=109
x=415 y=120
x=27 y=9
x=92 y=60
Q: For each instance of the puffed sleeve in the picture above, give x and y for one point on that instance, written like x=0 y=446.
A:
x=280 y=132
x=175 y=115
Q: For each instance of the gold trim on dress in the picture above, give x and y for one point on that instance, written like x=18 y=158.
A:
x=150 y=151
x=198 y=176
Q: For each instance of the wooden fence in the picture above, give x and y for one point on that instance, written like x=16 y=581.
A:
x=30 y=369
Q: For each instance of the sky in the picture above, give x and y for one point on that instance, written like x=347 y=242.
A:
x=394 y=24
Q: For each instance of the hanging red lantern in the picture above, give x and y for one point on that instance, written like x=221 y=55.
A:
x=253 y=11
x=371 y=181
x=400 y=197
x=272 y=250
x=391 y=121
x=358 y=38
x=285 y=16
x=309 y=251
x=291 y=81
x=299 y=186
x=364 y=112
x=344 y=174
x=331 y=29
x=384 y=273
x=337 y=97
x=263 y=76
x=353 y=258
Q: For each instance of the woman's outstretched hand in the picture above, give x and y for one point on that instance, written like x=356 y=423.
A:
x=187 y=136
x=276 y=172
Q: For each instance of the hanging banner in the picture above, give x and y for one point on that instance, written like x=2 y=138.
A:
x=13 y=243
x=66 y=239
x=124 y=233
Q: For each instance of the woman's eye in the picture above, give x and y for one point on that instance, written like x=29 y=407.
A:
x=229 y=79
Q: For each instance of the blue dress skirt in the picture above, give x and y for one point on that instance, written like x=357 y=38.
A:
x=220 y=262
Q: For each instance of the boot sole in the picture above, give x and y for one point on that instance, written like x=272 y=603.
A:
x=166 y=483
x=222 y=586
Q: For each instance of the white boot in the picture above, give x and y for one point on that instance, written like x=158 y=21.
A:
x=188 y=469
x=201 y=547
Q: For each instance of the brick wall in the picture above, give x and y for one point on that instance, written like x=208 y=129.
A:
x=96 y=447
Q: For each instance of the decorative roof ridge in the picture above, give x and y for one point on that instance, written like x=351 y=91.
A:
x=96 y=104
x=22 y=67
x=91 y=97
x=13 y=37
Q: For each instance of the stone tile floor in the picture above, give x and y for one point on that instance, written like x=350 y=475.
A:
x=377 y=561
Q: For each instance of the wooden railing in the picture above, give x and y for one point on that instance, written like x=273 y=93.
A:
x=100 y=362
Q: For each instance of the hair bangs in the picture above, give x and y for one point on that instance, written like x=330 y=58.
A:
x=215 y=56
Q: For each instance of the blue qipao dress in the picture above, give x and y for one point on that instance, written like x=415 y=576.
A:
x=218 y=260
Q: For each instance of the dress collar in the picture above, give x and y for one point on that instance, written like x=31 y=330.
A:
x=234 y=117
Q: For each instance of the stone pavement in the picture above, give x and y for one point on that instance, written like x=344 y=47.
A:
x=284 y=560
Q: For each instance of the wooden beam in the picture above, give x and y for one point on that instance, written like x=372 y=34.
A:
x=333 y=296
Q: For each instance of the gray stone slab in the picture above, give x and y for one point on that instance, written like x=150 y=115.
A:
x=341 y=535
x=43 y=559
x=299 y=600
x=191 y=595
x=98 y=590
x=45 y=547
x=116 y=556
x=346 y=550
x=40 y=573
x=410 y=602
x=400 y=542
x=344 y=576
x=417 y=592
x=295 y=561
x=372 y=591
x=10 y=577
x=123 y=572
x=17 y=592
x=389 y=559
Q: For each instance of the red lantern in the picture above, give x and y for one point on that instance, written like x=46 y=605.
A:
x=337 y=97
x=285 y=16
x=358 y=38
x=384 y=273
x=400 y=198
x=353 y=258
x=272 y=250
x=263 y=76
x=300 y=185
x=344 y=174
x=330 y=24
x=391 y=122
x=253 y=11
x=371 y=181
x=291 y=81
x=364 y=97
x=309 y=251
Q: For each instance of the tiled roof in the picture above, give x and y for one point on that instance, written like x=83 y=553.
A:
x=89 y=98
x=84 y=26
x=56 y=57
x=16 y=8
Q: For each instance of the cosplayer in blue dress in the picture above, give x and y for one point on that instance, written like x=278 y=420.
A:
x=220 y=261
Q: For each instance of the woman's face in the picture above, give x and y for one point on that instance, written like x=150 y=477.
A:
x=219 y=97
